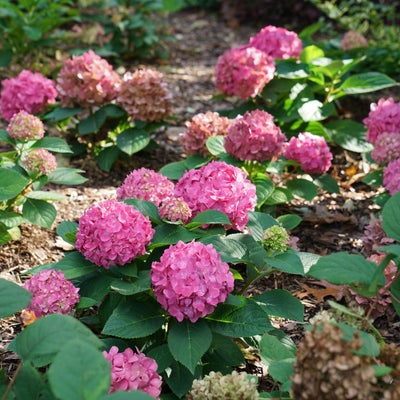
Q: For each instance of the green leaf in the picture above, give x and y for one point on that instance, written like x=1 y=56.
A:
x=93 y=123
x=303 y=188
x=13 y=298
x=174 y=170
x=40 y=342
x=289 y=221
x=66 y=176
x=314 y=110
x=146 y=208
x=286 y=262
x=367 y=82
x=12 y=183
x=291 y=69
x=39 y=212
x=248 y=319
x=391 y=217
x=67 y=231
x=79 y=371
x=29 y=383
x=134 y=319
x=231 y=250
x=60 y=113
x=107 y=157
x=281 y=303
x=5 y=235
x=264 y=188
x=208 y=217
x=33 y=33
x=132 y=140
x=10 y=219
x=326 y=182
x=259 y=222
x=189 y=341
x=395 y=292
x=179 y=380
x=47 y=196
x=139 y=285
x=215 y=145
x=279 y=196
x=53 y=144
x=171 y=234
x=162 y=355
x=113 y=111
x=310 y=53
x=131 y=395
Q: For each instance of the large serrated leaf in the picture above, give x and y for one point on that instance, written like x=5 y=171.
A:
x=13 y=298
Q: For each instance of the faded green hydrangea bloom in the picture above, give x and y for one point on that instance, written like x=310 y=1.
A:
x=276 y=238
x=215 y=386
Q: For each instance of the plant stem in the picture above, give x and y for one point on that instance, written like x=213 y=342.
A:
x=12 y=381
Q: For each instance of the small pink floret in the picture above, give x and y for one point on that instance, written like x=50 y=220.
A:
x=391 y=177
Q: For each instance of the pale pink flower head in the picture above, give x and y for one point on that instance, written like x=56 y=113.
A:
x=29 y=91
x=145 y=96
x=277 y=42
x=391 y=177
x=353 y=40
x=133 y=371
x=190 y=280
x=199 y=129
x=39 y=161
x=383 y=116
x=311 y=151
x=175 y=209
x=87 y=80
x=254 y=136
x=243 y=71
x=219 y=186
x=387 y=147
x=52 y=293
x=113 y=233
x=374 y=236
x=146 y=184
x=25 y=126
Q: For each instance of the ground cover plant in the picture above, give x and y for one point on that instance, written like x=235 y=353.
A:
x=157 y=295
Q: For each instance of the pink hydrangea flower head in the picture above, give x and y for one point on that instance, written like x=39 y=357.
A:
x=87 y=80
x=219 y=186
x=277 y=42
x=311 y=151
x=391 y=177
x=29 y=91
x=383 y=116
x=51 y=292
x=254 y=136
x=353 y=40
x=199 y=129
x=145 y=96
x=243 y=71
x=133 y=371
x=113 y=233
x=387 y=147
x=25 y=126
x=39 y=161
x=175 y=209
x=146 y=184
x=374 y=236
x=190 y=280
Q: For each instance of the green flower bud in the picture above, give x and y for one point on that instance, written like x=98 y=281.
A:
x=276 y=238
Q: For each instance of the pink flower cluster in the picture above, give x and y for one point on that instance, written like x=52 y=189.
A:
x=113 y=233
x=39 y=161
x=353 y=40
x=278 y=43
x=243 y=72
x=391 y=177
x=383 y=117
x=311 y=151
x=25 y=126
x=199 y=129
x=51 y=293
x=219 y=186
x=87 y=80
x=29 y=91
x=146 y=184
x=190 y=280
x=133 y=371
x=145 y=96
x=387 y=147
x=175 y=209
x=374 y=236
x=254 y=136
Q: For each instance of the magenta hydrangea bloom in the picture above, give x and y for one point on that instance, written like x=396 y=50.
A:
x=145 y=96
x=175 y=209
x=51 y=292
x=146 y=184
x=311 y=151
x=353 y=40
x=133 y=371
x=219 y=186
x=29 y=91
x=383 y=116
x=243 y=71
x=113 y=233
x=277 y=42
x=190 y=280
x=254 y=136
x=39 y=161
x=391 y=177
x=87 y=80
x=25 y=126
x=199 y=129
x=387 y=147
